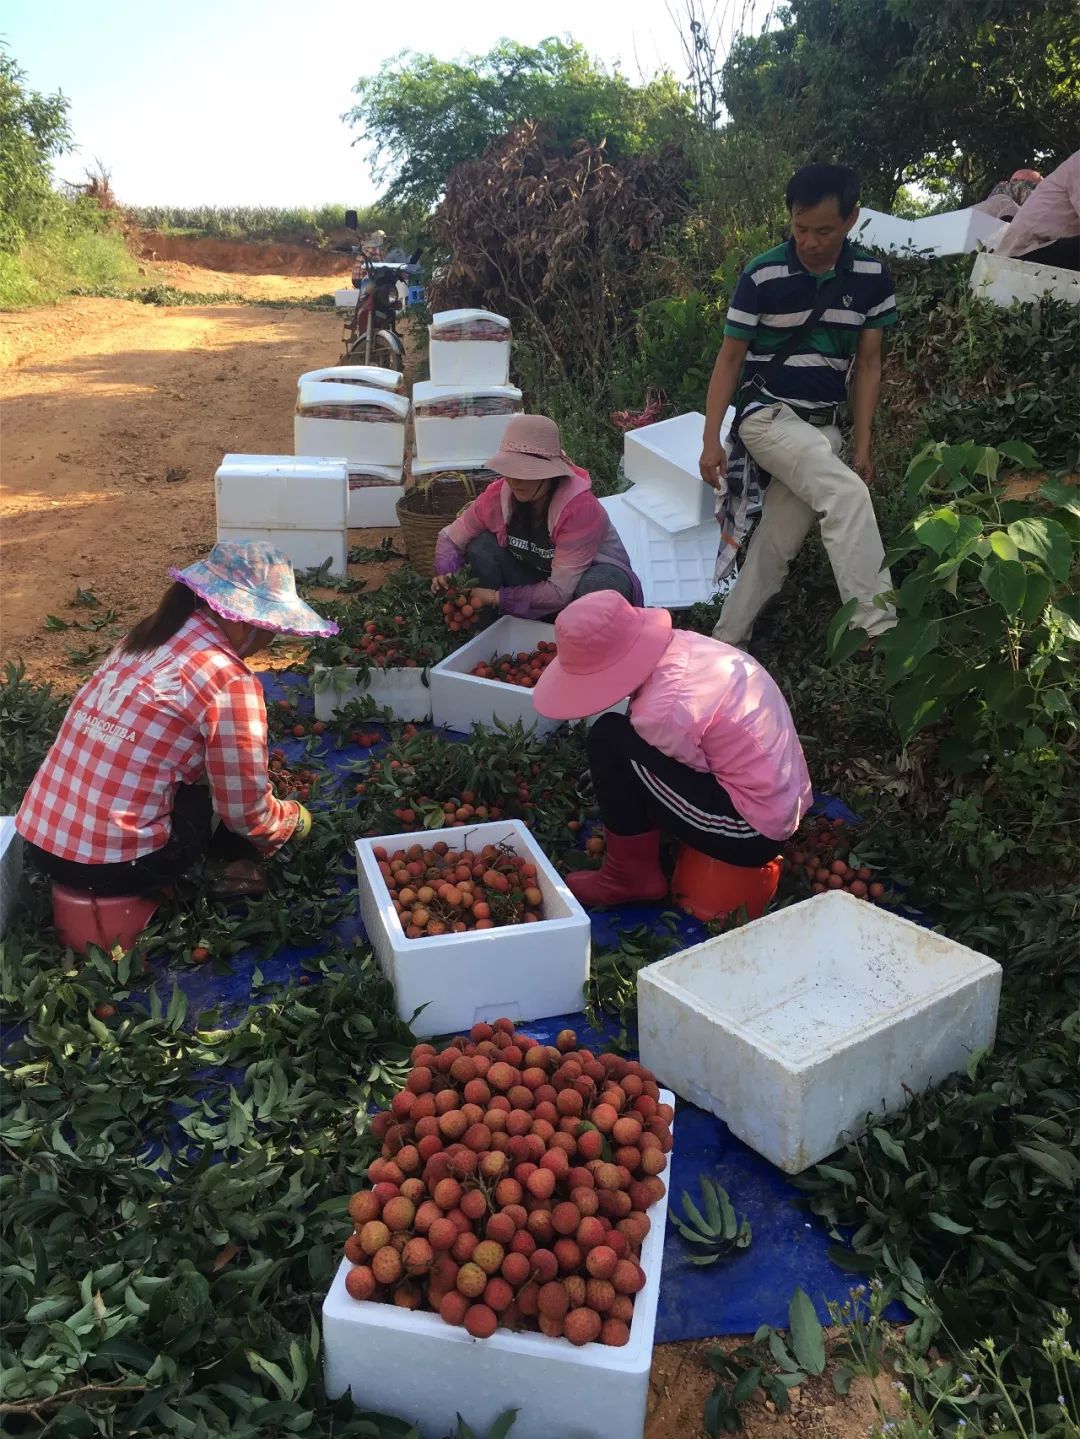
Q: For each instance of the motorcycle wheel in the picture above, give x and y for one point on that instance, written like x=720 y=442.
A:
x=384 y=353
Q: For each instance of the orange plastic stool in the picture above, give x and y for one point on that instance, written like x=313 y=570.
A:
x=82 y=919
x=710 y=889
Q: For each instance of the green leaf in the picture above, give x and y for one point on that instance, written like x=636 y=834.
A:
x=1053 y=1161
x=502 y=1426
x=1035 y=596
x=1066 y=497
x=837 y=636
x=1065 y=612
x=807 y=1334
x=942 y=1221
x=1005 y=581
x=1048 y=541
x=902 y=647
x=891 y=1148
x=842 y=1377
x=925 y=467
x=938 y=530
x=1003 y=546
x=1021 y=452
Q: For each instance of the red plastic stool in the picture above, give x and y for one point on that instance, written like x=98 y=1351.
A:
x=710 y=889
x=82 y=919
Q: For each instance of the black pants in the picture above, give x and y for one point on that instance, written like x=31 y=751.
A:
x=1065 y=254
x=492 y=567
x=191 y=839
x=639 y=788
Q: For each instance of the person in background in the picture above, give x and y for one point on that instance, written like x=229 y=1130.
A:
x=170 y=731
x=1005 y=199
x=707 y=751
x=787 y=407
x=537 y=537
x=1047 y=229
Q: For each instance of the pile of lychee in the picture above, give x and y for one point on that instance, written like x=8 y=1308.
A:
x=289 y=783
x=523 y=669
x=447 y=891
x=458 y=610
x=821 y=849
x=513 y=1187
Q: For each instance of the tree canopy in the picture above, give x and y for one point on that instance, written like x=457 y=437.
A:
x=910 y=89
x=33 y=129
x=422 y=116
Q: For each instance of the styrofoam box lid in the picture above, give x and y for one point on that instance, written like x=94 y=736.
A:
x=955 y=232
x=293 y=467
x=391 y=474
x=432 y=467
x=677 y=439
x=462 y=317
x=428 y=390
x=377 y=375
x=317 y=392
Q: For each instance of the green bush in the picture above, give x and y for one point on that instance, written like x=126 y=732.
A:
x=77 y=252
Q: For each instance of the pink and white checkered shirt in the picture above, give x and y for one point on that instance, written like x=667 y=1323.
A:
x=142 y=725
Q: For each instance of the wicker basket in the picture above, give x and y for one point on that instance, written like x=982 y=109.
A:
x=425 y=510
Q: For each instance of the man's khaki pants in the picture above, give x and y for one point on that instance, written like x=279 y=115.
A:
x=809 y=482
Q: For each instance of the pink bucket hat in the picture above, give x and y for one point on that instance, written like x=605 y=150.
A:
x=607 y=650
x=531 y=450
x=253 y=583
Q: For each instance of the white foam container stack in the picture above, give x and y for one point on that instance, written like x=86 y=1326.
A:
x=794 y=1028
x=372 y=442
x=676 y=569
x=411 y=1364
x=298 y=504
x=374 y=491
x=376 y=376
x=661 y=462
x=346 y=299
x=460 y=699
x=1003 y=280
x=403 y=692
x=11 y=858
x=468 y=362
x=956 y=232
x=459 y=439
x=525 y=971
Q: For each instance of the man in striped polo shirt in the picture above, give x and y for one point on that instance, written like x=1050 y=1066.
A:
x=787 y=408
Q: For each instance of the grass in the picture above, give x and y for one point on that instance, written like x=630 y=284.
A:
x=61 y=259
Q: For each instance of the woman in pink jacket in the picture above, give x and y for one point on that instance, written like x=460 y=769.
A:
x=537 y=537
x=707 y=750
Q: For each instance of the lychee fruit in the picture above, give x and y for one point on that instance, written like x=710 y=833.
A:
x=553 y=1300
x=374 y=1236
x=501 y=1228
x=614 y=1332
x=602 y=1262
x=497 y=1294
x=575 y=1290
x=600 y=1295
x=565 y=1218
x=453 y=1308
x=480 y=1321
x=471 y=1281
x=582 y=1326
x=627 y=1277
x=417 y=1256
x=360 y=1282
x=515 y=1269
x=363 y=1206
x=386 y=1265
x=489 y=1256
x=590 y=1233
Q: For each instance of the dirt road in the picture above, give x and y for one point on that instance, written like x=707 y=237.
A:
x=115 y=416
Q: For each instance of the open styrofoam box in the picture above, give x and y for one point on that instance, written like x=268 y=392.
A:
x=402 y=692
x=371 y=441
x=661 y=461
x=459 y=700
x=675 y=569
x=794 y=1028
x=524 y=971
x=410 y=1363
x=468 y=362
x=448 y=440
x=1003 y=279
x=346 y=299
x=372 y=375
x=11 y=856
x=374 y=491
x=298 y=504
x=956 y=232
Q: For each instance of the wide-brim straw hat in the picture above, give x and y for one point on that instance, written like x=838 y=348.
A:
x=531 y=450
x=608 y=648
x=251 y=582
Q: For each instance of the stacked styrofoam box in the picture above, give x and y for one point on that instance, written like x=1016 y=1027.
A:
x=675 y=570
x=796 y=1027
x=957 y=232
x=11 y=847
x=465 y=362
x=376 y=376
x=346 y=299
x=1003 y=279
x=465 y=438
x=403 y=693
x=298 y=504
x=374 y=434
x=405 y=1362
x=526 y=971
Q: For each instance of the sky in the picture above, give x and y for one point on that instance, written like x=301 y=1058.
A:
x=223 y=102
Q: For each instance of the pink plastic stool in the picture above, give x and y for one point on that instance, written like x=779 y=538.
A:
x=82 y=919
x=710 y=889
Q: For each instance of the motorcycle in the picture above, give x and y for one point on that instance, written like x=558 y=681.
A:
x=371 y=336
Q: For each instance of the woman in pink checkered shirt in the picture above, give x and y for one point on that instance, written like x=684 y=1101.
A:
x=170 y=731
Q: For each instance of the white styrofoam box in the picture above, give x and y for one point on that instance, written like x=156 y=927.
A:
x=675 y=569
x=525 y=971
x=11 y=857
x=449 y=440
x=305 y=549
x=954 y=233
x=373 y=375
x=281 y=492
x=374 y=491
x=412 y=1364
x=459 y=699
x=403 y=692
x=346 y=299
x=1003 y=279
x=662 y=459
x=371 y=441
x=796 y=1027
x=468 y=362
